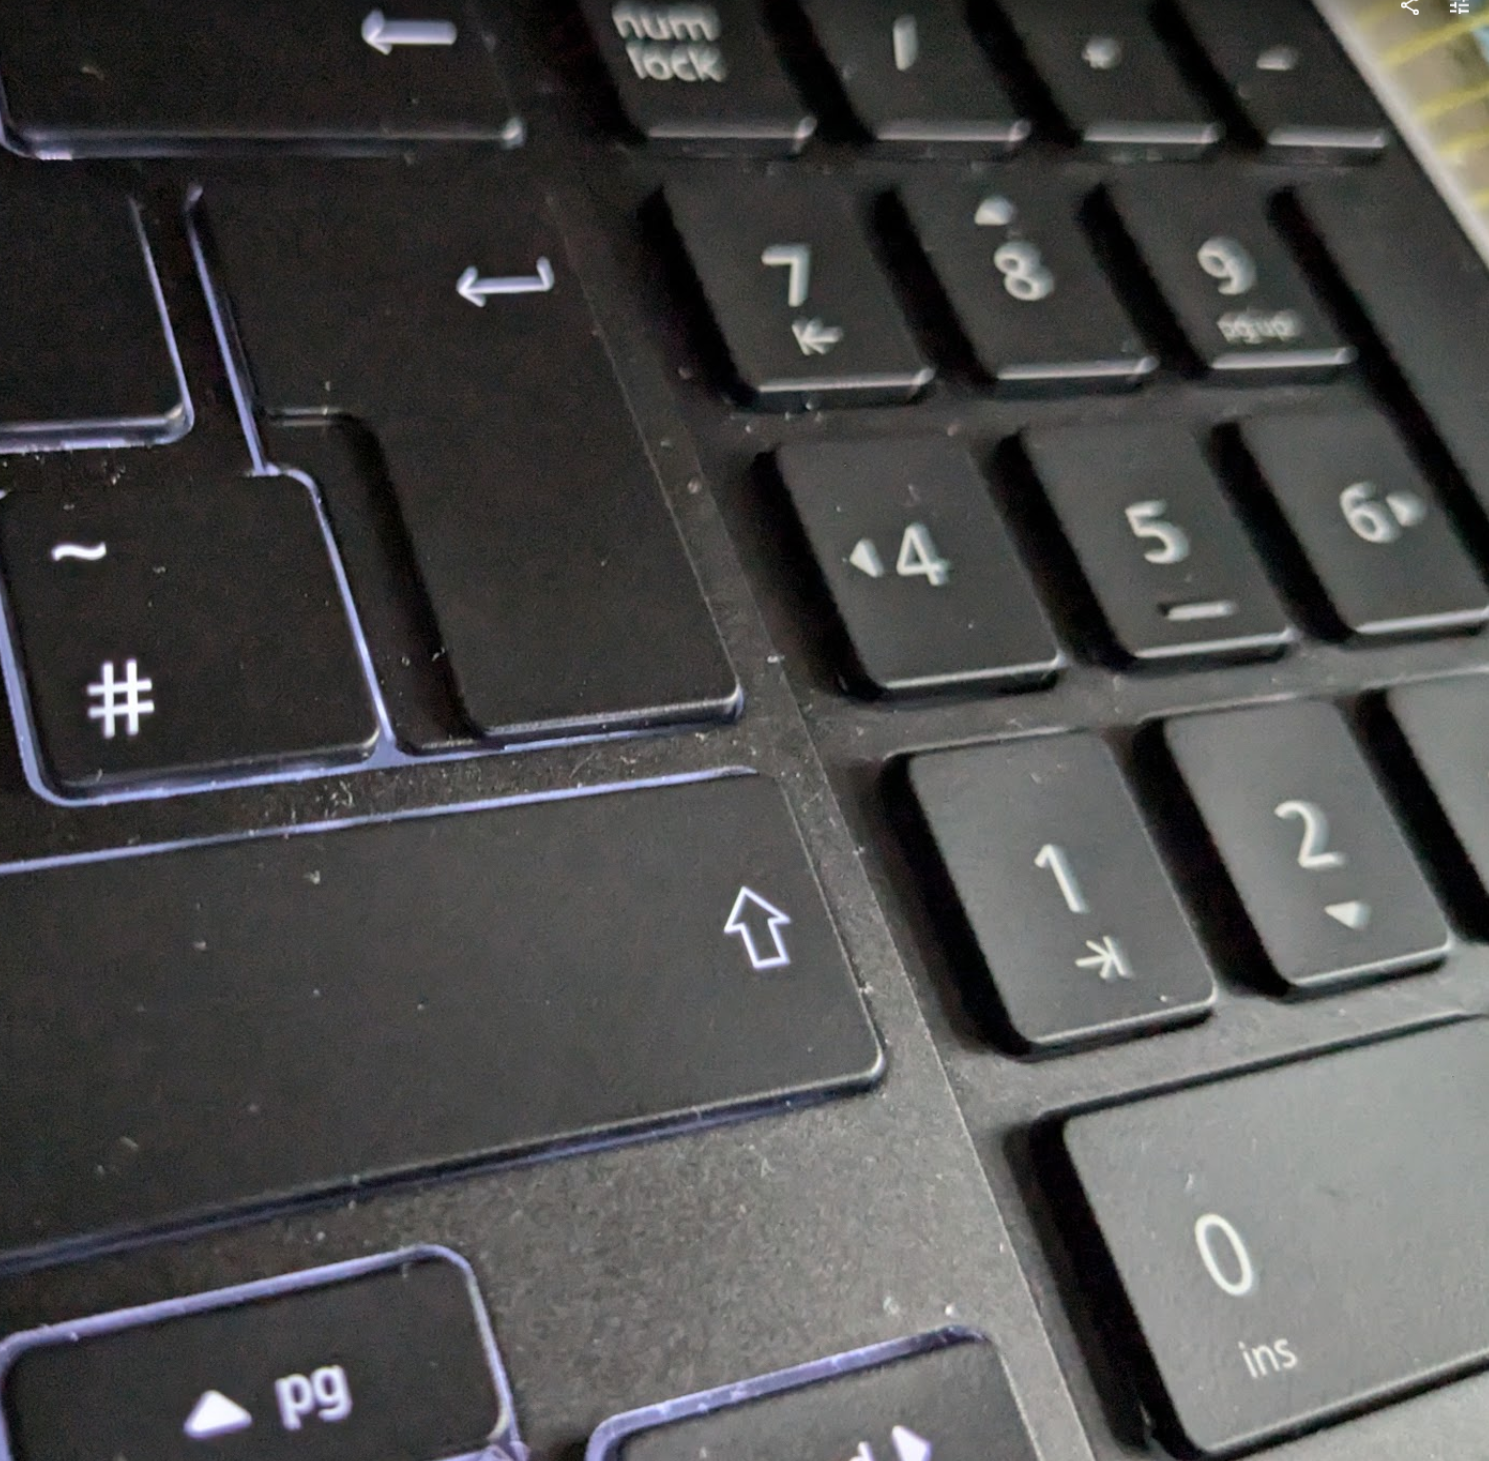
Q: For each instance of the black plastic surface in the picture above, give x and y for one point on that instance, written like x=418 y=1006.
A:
x=256 y=1021
x=951 y=1401
x=1111 y=78
x=627 y=1275
x=1329 y=885
x=699 y=74
x=1238 y=298
x=1078 y=928
x=1289 y=84
x=1375 y=534
x=79 y=276
x=82 y=79
x=562 y=597
x=805 y=313
x=179 y=630
x=1171 y=569
x=915 y=75
x=1024 y=284
x=881 y=523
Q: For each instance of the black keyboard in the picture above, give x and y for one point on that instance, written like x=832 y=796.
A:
x=736 y=730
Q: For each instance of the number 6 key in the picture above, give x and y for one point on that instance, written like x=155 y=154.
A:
x=1380 y=544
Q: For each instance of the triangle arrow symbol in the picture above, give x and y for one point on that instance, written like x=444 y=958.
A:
x=1353 y=914
x=865 y=557
x=215 y=1415
x=994 y=212
x=908 y=1446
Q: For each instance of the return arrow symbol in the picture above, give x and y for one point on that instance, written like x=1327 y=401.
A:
x=477 y=290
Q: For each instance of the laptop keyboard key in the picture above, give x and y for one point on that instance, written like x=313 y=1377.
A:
x=1240 y=301
x=805 y=312
x=1371 y=526
x=1288 y=78
x=1443 y=722
x=1324 y=874
x=1375 y=230
x=86 y=357
x=1296 y=1243
x=560 y=589
x=1077 y=925
x=915 y=75
x=1172 y=571
x=174 y=630
x=704 y=76
x=952 y=1401
x=424 y=985
x=1111 y=78
x=87 y=80
x=919 y=565
x=392 y=1358
x=1024 y=284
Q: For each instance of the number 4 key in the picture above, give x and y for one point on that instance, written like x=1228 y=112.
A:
x=956 y=608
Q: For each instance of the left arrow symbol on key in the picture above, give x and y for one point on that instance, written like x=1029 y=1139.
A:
x=477 y=290
x=865 y=558
x=215 y=1415
x=383 y=34
x=814 y=337
x=758 y=924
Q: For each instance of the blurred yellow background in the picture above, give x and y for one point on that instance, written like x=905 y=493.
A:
x=1435 y=66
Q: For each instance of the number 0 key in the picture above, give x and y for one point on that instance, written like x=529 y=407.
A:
x=1300 y=1241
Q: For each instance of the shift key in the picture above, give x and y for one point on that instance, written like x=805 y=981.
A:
x=1298 y=1242
x=304 y=1014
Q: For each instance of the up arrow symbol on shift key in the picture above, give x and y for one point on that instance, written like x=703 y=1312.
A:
x=215 y=1415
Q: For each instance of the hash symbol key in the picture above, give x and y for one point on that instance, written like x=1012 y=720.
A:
x=180 y=631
